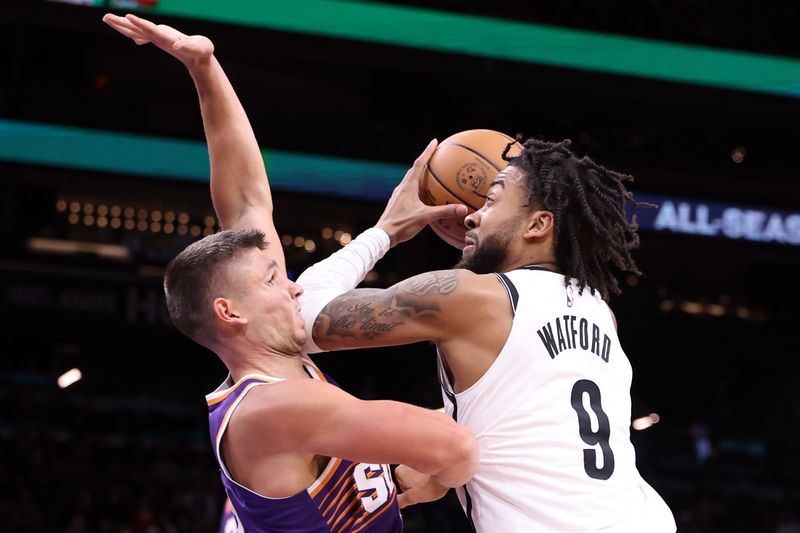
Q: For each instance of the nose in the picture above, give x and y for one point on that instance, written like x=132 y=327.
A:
x=473 y=220
x=295 y=290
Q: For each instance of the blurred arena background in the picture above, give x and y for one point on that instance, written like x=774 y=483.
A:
x=104 y=178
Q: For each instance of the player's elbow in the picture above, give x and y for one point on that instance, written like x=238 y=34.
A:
x=459 y=459
x=465 y=450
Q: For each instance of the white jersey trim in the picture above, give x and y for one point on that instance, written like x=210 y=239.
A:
x=223 y=389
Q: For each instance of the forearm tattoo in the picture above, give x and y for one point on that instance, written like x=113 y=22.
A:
x=371 y=313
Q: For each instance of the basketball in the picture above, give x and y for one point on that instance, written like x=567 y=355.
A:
x=460 y=171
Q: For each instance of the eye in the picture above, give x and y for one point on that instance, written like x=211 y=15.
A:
x=271 y=280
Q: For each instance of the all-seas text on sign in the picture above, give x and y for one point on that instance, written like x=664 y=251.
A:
x=692 y=217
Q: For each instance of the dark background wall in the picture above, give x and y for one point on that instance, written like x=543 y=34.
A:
x=711 y=330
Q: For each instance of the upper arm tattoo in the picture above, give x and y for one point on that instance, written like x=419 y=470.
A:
x=371 y=313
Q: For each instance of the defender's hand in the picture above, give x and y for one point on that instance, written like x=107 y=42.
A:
x=191 y=50
x=416 y=487
x=405 y=214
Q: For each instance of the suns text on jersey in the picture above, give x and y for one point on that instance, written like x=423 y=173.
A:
x=572 y=333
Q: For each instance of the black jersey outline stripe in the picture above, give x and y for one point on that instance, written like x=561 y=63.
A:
x=513 y=293
x=468 y=511
x=454 y=195
x=452 y=398
x=467 y=148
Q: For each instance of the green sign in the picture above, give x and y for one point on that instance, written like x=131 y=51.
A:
x=62 y=146
x=495 y=38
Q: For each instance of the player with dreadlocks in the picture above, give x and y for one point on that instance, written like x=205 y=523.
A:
x=529 y=359
x=591 y=231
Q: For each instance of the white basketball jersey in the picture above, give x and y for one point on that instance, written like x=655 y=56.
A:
x=552 y=417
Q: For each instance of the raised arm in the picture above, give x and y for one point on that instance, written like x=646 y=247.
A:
x=404 y=216
x=317 y=418
x=239 y=187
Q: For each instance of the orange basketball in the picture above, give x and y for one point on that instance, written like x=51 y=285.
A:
x=460 y=171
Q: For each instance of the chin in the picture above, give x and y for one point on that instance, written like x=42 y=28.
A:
x=300 y=342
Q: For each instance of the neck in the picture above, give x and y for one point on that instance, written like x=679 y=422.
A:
x=545 y=262
x=240 y=363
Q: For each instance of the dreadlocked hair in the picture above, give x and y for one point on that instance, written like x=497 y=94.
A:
x=592 y=234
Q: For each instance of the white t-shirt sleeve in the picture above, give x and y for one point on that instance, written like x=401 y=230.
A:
x=338 y=274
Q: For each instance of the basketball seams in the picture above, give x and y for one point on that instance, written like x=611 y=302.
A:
x=458 y=164
x=467 y=148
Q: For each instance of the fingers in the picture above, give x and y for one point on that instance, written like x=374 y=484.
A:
x=425 y=156
x=124 y=27
x=404 y=501
x=415 y=172
x=160 y=34
x=447 y=211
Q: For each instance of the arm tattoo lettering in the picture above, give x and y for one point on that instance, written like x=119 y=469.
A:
x=371 y=313
x=437 y=282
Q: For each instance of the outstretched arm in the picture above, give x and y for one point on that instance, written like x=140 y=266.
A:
x=239 y=187
x=320 y=419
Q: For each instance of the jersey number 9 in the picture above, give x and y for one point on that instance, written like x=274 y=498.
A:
x=590 y=437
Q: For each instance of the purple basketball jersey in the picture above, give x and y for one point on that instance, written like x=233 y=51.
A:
x=347 y=497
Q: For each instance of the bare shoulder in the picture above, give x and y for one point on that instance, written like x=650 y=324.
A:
x=274 y=401
x=264 y=444
x=284 y=409
x=454 y=298
x=478 y=295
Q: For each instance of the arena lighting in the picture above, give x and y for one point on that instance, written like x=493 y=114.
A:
x=692 y=308
x=367 y=180
x=69 y=377
x=60 y=246
x=738 y=153
x=645 y=422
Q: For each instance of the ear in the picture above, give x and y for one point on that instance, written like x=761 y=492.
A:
x=540 y=224
x=225 y=311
